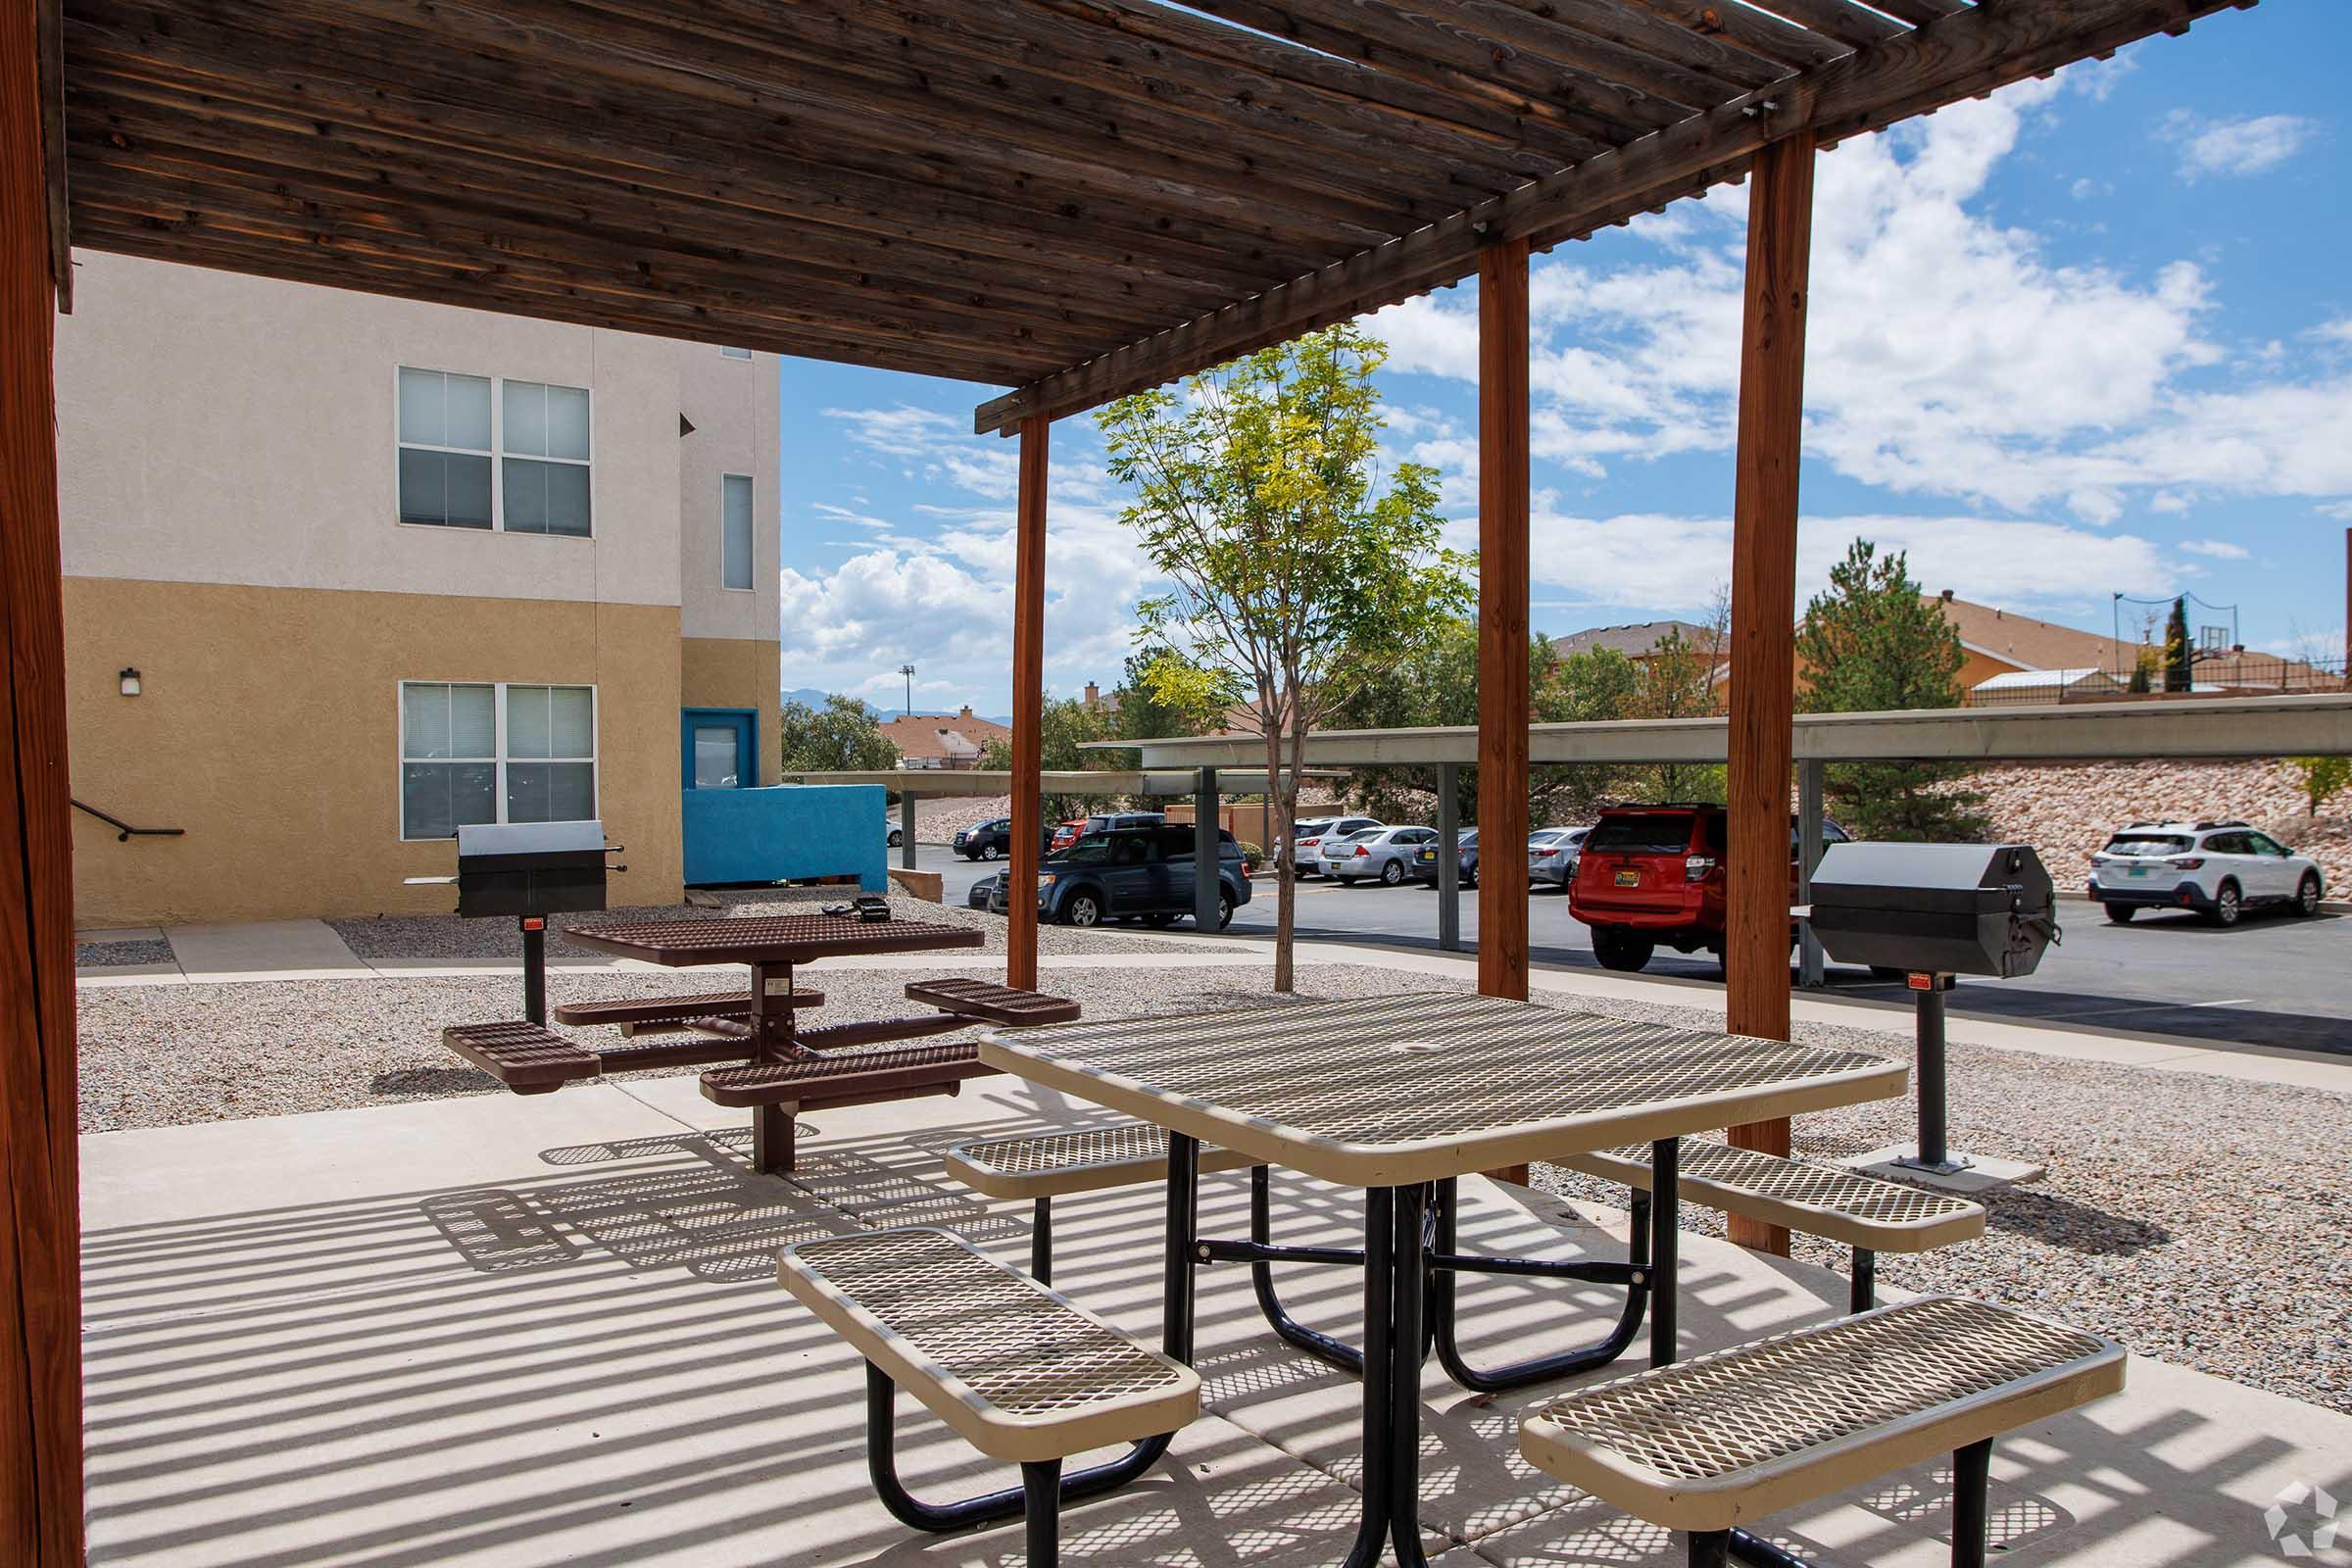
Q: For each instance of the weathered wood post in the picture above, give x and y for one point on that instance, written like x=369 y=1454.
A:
x=1028 y=707
x=1771 y=399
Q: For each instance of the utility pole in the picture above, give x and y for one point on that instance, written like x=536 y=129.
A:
x=907 y=670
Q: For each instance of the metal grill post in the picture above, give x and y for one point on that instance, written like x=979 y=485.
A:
x=1811 y=971
x=907 y=830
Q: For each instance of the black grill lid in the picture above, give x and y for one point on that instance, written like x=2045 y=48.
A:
x=1950 y=878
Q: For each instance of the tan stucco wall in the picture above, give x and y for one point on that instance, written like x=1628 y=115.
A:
x=736 y=672
x=268 y=729
x=215 y=428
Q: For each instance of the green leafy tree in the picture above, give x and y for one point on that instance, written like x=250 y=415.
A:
x=1064 y=727
x=1297 y=576
x=841 y=736
x=2179 y=656
x=1676 y=679
x=1873 y=644
x=2322 y=778
x=1140 y=712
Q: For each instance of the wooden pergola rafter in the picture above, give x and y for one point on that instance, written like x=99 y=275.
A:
x=1068 y=199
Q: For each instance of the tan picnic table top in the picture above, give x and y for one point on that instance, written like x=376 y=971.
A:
x=1388 y=1090
x=768 y=939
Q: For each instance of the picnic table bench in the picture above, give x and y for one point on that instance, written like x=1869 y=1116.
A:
x=760 y=1057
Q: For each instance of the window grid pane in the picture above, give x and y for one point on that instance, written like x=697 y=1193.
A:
x=735 y=530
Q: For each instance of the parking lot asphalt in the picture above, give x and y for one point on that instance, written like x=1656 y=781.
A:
x=2270 y=981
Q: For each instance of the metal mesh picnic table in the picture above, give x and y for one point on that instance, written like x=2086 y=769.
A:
x=1423 y=1085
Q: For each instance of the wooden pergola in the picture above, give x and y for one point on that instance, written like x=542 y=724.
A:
x=1072 y=199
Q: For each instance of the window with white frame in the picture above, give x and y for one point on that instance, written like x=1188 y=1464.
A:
x=735 y=530
x=490 y=751
x=481 y=453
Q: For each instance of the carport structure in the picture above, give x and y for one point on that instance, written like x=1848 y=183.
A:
x=1070 y=198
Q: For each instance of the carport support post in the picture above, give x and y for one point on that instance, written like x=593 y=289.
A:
x=1449 y=857
x=1772 y=398
x=41 y=1290
x=1207 y=867
x=907 y=830
x=1809 y=972
x=1028 y=709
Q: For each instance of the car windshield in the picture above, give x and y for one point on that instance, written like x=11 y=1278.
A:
x=1468 y=839
x=1649 y=833
x=1364 y=835
x=1093 y=849
x=2147 y=844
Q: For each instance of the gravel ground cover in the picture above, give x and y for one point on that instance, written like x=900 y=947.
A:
x=2200 y=1220
x=116 y=955
x=426 y=938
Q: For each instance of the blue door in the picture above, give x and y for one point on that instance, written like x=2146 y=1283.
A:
x=718 y=747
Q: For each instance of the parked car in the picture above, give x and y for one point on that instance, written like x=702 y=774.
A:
x=1653 y=875
x=1066 y=834
x=2219 y=869
x=1552 y=855
x=1385 y=852
x=1465 y=850
x=1142 y=873
x=892 y=834
x=1311 y=832
x=990 y=840
x=1106 y=821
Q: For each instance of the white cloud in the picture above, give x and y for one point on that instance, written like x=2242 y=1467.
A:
x=2218 y=549
x=2335 y=508
x=1947 y=355
x=2339 y=330
x=1670 y=562
x=2226 y=147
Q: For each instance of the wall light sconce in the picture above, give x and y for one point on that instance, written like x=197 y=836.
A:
x=130 y=683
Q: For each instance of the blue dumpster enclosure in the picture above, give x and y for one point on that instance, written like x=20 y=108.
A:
x=786 y=832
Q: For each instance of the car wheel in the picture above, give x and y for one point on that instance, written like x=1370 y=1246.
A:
x=1082 y=910
x=2120 y=914
x=2228 y=906
x=1390 y=874
x=988 y=852
x=1224 y=908
x=897 y=837
x=1618 y=948
x=2307 y=897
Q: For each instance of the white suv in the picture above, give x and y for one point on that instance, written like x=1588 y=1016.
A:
x=2218 y=868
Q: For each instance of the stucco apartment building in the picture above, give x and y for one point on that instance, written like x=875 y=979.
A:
x=382 y=567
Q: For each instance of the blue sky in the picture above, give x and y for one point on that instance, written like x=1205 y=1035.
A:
x=2094 y=336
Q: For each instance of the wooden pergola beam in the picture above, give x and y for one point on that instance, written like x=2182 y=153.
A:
x=1028 y=707
x=1965 y=55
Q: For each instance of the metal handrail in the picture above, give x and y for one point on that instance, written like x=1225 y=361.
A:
x=123 y=830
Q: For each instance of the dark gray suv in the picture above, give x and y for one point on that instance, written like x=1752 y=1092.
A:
x=1130 y=875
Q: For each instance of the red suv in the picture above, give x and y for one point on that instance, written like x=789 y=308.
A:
x=1653 y=874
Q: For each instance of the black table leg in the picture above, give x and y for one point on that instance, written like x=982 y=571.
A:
x=1407 y=1296
x=1665 y=1245
x=1632 y=1274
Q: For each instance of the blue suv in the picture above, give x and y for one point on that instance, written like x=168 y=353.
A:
x=1141 y=873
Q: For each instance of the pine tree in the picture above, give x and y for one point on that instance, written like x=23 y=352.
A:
x=2178 y=675
x=1872 y=643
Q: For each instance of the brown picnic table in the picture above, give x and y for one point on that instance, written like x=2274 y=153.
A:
x=757 y=1054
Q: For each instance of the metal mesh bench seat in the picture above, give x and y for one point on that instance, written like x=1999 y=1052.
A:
x=1708 y=1443
x=1095 y=1160
x=527 y=1057
x=1018 y=1371
x=846 y=1079
x=990 y=1003
x=654 y=1014
x=1041 y=1169
x=1866 y=1213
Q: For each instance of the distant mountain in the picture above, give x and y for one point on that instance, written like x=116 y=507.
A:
x=813 y=698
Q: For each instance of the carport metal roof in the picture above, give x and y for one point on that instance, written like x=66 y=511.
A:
x=1073 y=198
x=2190 y=728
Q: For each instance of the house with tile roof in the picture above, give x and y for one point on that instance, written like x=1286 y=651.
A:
x=943 y=740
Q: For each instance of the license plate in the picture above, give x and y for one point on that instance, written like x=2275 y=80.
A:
x=1427 y=854
x=1629 y=879
x=2137 y=870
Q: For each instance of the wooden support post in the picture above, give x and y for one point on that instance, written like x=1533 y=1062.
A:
x=41 y=1288
x=1771 y=399
x=1502 y=592
x=1028 y=709
x=1449 y=857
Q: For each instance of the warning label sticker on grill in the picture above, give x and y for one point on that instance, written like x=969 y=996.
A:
x=779 y=988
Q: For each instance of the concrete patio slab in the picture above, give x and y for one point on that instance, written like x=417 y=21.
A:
x=270 y=950
x=537 y=1331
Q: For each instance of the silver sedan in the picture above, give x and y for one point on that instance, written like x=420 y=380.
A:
x=1382 y=853
x=1553 y=854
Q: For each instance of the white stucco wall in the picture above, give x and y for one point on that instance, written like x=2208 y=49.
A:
x=732 y=406
x=214 y=427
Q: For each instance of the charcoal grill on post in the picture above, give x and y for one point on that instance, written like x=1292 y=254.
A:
x=1934 y=911
x=531 y=871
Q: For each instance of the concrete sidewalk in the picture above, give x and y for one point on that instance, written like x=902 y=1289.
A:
x=525 y=1332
